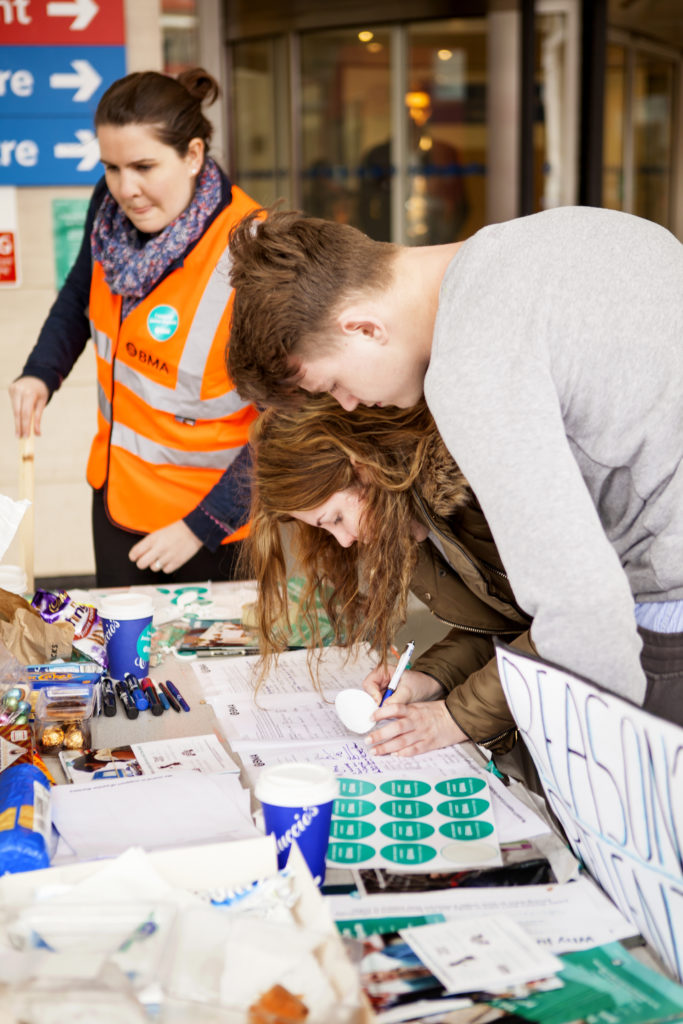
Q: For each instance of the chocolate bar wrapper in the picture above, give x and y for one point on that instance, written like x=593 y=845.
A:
x=88 y=630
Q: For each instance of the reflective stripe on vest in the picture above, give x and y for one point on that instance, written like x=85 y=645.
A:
x=161 y=455
x=103 y=403
x=103 y=343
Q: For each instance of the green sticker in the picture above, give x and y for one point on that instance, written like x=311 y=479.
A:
x=460 y=787
x=351 y=829
x=355 y=787
x=408 y=853
x=201 y=594
x=346 y=808
x=405 y=787
x=406 y=809
x=407 y=830
x=349 y=853
x=466 y=830
x=463 y=808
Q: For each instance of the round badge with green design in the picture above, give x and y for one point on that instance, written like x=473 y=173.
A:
x=405 y=808
x=350 y=829
x=459 y=788
x=407 y=831
x=408 y=853
x=405 y=787
x=349 y=853
x=463 y=808
x=162 y=322
x=466 y=830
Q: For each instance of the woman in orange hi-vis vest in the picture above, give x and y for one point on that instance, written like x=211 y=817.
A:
x=169 y=466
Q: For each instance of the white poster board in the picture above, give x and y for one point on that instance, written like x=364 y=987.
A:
x=613 y=775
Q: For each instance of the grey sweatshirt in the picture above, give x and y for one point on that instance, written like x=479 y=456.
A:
x=556 y=380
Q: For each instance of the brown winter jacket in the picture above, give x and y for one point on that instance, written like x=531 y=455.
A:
x=471 y=593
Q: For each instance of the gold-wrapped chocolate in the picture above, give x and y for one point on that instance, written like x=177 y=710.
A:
x=53 y=736
x=74 y=738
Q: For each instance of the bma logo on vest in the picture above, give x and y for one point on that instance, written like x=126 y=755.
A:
x=162 y=322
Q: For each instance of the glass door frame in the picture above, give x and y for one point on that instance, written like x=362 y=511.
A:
x=633 y=45
x=571 y=87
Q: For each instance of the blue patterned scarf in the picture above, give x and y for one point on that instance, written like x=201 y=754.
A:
x=133 y=262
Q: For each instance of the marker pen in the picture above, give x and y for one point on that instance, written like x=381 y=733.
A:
x=178 y=695
x=133 y=684
x=108 y=696
x=169 y=697
x=126 y=699
x=156 y=707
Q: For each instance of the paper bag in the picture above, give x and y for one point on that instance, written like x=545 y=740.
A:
x=28 y=637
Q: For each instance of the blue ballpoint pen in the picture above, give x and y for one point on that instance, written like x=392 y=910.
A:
x=403 y=663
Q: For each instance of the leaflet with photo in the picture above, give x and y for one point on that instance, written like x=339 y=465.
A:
x=218 y=638
x=193 y=753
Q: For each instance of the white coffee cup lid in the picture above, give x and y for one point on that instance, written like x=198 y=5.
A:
x=296 y=785
x=355 y=709
x=126 y=606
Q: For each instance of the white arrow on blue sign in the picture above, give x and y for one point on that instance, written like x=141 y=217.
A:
x=54 y=80
x=48 y=151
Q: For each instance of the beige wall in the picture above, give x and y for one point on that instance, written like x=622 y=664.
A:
x=62 y=540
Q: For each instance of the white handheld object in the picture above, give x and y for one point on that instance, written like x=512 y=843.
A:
x=355 y=709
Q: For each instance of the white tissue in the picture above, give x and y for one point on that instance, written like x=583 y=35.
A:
x=11 y=514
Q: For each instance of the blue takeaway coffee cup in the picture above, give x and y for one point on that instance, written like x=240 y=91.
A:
x=297 y=804
x=127 y=622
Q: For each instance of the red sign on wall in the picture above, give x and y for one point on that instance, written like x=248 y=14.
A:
x=56 y=22
x=8 y=257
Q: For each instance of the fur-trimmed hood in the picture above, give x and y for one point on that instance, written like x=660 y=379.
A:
x=441 y=483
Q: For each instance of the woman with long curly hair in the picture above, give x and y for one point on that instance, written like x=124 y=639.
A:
x=378 y=508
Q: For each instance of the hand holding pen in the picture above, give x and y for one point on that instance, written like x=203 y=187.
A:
x=403 y=664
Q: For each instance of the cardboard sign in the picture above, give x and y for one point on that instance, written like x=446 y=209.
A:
x=613 y=775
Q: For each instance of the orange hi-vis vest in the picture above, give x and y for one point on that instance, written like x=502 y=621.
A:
x=169 y=421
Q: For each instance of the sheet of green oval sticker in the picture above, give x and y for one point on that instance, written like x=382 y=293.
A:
x=413 y=822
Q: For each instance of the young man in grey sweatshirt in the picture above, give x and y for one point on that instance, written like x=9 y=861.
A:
x=550 y=352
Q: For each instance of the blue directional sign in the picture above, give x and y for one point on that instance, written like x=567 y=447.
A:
x=48 y=151
x=55 y=80
x=48 y=96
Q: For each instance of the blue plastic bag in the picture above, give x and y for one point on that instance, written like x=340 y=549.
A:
x=25 y=824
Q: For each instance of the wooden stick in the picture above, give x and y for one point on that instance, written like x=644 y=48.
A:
x=27 y=490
